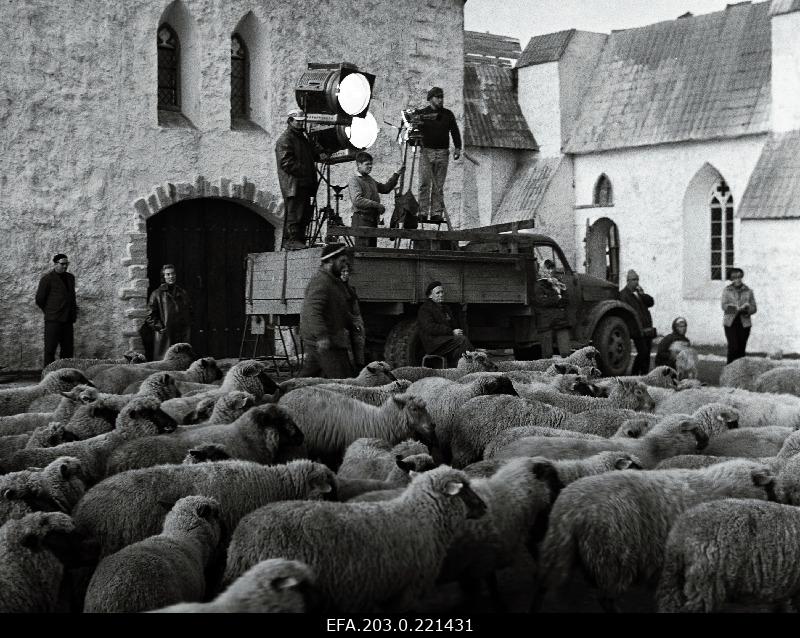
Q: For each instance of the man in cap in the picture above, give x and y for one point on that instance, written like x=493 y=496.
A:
x=633 y=295
x=56 y=298
x=326 y=318
x=365 y=196
x=438 y=124
x=297 y=175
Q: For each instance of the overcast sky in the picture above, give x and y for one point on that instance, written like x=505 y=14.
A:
x=525 y=18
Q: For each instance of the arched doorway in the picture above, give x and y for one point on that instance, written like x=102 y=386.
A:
x=208 y=239
x=602 y=250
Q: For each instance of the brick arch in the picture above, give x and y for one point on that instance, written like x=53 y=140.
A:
x=134 y=292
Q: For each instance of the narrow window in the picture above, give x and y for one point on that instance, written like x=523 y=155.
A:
x=721 y=230
x=169 y=57
x=603 y=194
x=240 y=108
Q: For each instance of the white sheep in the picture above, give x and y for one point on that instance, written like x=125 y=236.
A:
x=224 y=409
x=371 y=458
x=202 y=371
x=732 y=550
x=584 y=357
x=275 y=585
x=48 y=435
x=67 y=405
x=160 y=570
x=623 y=394
x=779 y=380
x=86 y=365
x=128 y=507
x=764 y=441
x=178 y=356
x=330 y=422
x=206 y=453
x=469 y=362
x=658 y=377
x=743 y=372
x=615 y=525
x=686 y=363
x=568 y=471
x=373 y=374
x=42 y=397
x=374 y=395
x=345 y=544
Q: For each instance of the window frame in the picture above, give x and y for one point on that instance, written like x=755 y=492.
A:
x=177 y=70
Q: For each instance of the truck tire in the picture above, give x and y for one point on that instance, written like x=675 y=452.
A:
x=613 y=339
x=403 y=345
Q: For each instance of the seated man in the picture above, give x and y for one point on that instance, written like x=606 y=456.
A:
x=438 y=330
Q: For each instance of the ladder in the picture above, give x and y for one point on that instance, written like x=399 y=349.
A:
x=256 y=328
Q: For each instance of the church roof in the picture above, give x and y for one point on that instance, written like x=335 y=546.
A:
x=492 y=116
x=773 y=191
x=526 y=191
x=545 y=48
x=695 y=78
x=779 y=7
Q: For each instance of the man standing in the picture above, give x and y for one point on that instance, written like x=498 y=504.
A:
x=56 y=297
x=170 y=315
x=326 y=319
x=364 y=195
x=633 y=295
x=438 y=124
x=297 y=176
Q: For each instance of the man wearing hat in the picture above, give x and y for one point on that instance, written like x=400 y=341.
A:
x=633 y=295
x=295 y=156
x=326 y=318
x=437 y=128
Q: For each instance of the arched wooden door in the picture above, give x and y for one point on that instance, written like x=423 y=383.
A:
x=208 y=240
x=602 y=250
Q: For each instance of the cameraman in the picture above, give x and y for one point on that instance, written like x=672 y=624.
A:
x=438 y=124
x=364 y=195
x=633 y=295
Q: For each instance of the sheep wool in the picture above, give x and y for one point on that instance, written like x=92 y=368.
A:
x=42 y=397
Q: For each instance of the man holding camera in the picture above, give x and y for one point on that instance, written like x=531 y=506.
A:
x=438 y=124
x=633 y=295
x=365 y=197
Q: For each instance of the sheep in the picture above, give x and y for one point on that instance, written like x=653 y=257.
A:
x=372 y=458
x=376 y=395
x=779 y=380
x=603 y=421
x=731 y=550
x=255 y=436
x=225 y=409
x=206 y=453
x=42 y=397
x=682 y=437
x=743 y=372
x=518 y=498
x=469 y=362
x=568 y=471
x=686 y=363
x=373 y=374
x=128 y=507
x=245 y=376
x=345 y=544
x=623 y=394
x=86 y=365
x=764 y=441
x=141 y=417
x=202 y=371
x=529 y=376
x=160 y=570
x=179 y=356
x=59 y=486
x=48 y=436
x=755 y=410
x=67 y=405
x=514 y=434
x=274 y=585
x=443 y=397
x=658 y=377
x=587 y=356
x=330 y=422
x=33 y=552
x=615 y=525
x=348 y=488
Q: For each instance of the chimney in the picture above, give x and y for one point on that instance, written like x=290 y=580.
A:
x=785 y=81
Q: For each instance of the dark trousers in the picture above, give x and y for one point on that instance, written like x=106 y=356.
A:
x=641 y=364
x=57 y=333
x=736 y=335
x=452 y=349
x=299 y=212
x=331 y=363
x=365 y=219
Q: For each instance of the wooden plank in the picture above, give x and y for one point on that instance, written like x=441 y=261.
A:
x=444 y=235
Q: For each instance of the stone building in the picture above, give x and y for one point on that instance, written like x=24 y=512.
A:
x=102 y=163
x=672 y=149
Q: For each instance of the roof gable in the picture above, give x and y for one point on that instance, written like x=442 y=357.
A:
x=773 y=191
x=528 y=186
x=696 y=78
x=545 y=48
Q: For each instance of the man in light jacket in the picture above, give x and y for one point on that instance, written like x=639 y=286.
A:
x=738 y=303
x=365 y=197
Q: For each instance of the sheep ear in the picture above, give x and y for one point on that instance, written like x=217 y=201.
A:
x=167 y=505
x=688 y=426
x=285 y=582
x=623 y=464
x=31 y=540
x=406 y=467
x=69 y=437
x=762 y=477
x=321 y=484
x=561 y=368
x=204 y=510
x=453 y=487
x=204 y=363
x=631 y=433
x=400 y=399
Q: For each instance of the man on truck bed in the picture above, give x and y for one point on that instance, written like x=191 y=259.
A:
x=364 y=195
x=326 y=318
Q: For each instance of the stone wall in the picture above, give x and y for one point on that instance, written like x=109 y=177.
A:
x=81 y=141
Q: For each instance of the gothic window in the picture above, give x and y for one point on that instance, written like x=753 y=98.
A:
x=169 y=58
x=721 y=230
x=239 y=72
x=603 y=194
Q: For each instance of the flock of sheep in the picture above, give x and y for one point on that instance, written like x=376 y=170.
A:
x=129 y=486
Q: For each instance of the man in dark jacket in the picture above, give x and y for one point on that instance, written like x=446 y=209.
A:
x=56 y=297
x=326 y=318
x=633 y=295
x=439 y=331
x=438 y=125
x=170 y=315
x=297 y=175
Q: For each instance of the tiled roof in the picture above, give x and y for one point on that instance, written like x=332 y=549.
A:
x=784 y=6
x=545 y=48
x=489 y=48
x=492 y=116
x=527 y=188
x=773 y=191
x=697 y=78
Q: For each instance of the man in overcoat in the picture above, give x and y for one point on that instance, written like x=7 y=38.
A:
x=633 y=295
x=56 y=297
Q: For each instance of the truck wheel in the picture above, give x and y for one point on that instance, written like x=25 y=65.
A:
x=613 y=339
x=403 y=345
